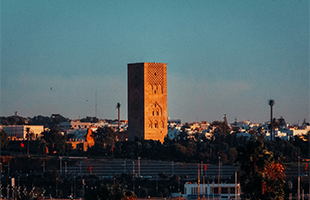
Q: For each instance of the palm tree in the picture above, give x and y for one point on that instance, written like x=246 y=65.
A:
x=271 y=103
x=118 y=106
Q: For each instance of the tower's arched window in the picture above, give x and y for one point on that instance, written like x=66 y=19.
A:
x=151 y=87
x=156 y=124
x=160 y=89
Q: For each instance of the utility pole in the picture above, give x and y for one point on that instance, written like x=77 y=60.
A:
x=203 y=180
x=113 y=186
x=236 y=184
x=198 y=182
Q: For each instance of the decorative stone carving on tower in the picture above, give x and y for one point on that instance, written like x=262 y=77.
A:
x=147 y=101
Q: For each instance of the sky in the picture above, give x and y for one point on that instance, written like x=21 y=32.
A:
x=223 y=57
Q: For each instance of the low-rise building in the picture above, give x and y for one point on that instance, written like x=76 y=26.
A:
x=223 y=191
x=19 y=132
x=74 y=125
x=81 y=139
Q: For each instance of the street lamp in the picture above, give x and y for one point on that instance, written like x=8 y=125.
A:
x=271 y=104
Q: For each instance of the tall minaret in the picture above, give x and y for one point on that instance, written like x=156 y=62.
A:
x=147 y=101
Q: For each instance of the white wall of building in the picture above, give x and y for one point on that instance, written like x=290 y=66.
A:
x=19 y=132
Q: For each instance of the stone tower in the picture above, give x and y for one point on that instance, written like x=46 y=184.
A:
x=147 y=101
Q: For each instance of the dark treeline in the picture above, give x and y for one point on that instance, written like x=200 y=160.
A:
x=184 y=148
x=194 y=148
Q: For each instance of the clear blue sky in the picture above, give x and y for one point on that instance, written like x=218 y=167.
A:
x=223 y=57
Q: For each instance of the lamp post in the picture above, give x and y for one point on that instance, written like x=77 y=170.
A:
x=133 y=176
x=0 y=180
x=60 y=165
x=236 y=184
x=298 y=179
x=198 y=182
x=65 y=169
x=218 y=180
x=118 y=106
x=139 y=167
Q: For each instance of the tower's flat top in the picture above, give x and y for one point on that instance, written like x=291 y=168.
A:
x=145 y=63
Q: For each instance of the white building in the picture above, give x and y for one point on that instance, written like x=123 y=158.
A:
x=173 y=132
x=288 y=133
x=74 y=125
x=226 y=191
x=19 y=132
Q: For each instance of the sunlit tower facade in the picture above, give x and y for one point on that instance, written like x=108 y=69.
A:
x=147 y=101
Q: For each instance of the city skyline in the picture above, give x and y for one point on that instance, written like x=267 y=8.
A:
x=227 y=57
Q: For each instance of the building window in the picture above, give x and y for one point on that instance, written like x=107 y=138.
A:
x=224 y=190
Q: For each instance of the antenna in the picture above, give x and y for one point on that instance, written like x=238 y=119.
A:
x=96 y=105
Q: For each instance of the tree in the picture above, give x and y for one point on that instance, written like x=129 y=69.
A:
x=281 y=122
x=261 y=175
x=42 y=145
x=105 y=135
x=4 y=139
x=104 y=138
x=220 y=130
x=56 y=141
